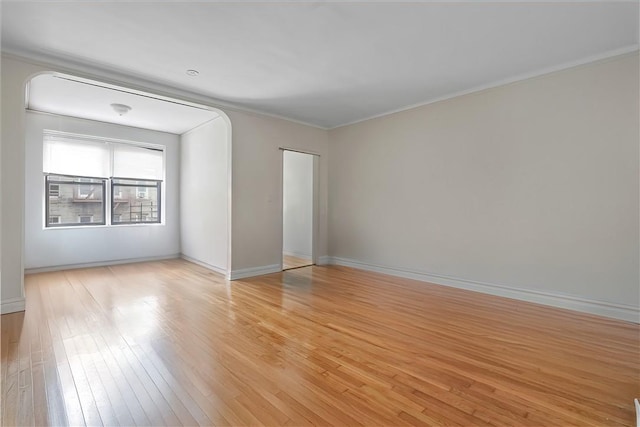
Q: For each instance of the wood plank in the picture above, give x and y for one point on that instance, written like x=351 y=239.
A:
x=10 y=387
x=171 y=343
x=290 y=261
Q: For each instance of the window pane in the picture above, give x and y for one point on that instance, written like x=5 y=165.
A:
x=135 y=202
x=74 y=201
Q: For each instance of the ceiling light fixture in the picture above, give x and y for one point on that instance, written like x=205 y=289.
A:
x=192 y=73
x=121 y=109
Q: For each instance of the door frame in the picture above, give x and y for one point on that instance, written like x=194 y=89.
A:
x=315 y=221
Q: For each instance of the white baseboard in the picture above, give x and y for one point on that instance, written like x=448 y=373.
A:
x=12 y=305
x=98 y=264
x=254 y=271
x=619 y=311
x=297 y=254
x=324 y=260
x=211 y=267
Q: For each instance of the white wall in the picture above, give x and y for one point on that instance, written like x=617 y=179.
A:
x=532 y=186
x=204 y=192
x=13 y=77
x=297 y=204
x=257 y=188
x=56 y=247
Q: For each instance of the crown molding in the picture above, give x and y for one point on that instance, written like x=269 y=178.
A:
x=627 y=50
x=109 y=75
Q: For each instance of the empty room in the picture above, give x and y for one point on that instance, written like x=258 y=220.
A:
x=320 y=213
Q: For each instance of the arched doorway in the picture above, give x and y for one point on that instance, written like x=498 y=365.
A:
x=196 y=215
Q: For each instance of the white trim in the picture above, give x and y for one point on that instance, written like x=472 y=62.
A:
x=200 y=125
x=324 y=260
x=300 y=150
x=139 y=83
x=109 y=75
x=297 y=254
x=208 y=266
x=12 y=305
x=315 y=211
x=98 y=264
x=29 y=110
x=602 y=308
x=503 y=82
x=254 y=271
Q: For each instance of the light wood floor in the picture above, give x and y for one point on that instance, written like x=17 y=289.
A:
x=172 y=343
x=289 y=261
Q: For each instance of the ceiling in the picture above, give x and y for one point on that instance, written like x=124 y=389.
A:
x=322 y=63
x=56 y=93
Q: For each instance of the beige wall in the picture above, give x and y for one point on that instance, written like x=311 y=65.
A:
x=257 y=186
x=532 y=186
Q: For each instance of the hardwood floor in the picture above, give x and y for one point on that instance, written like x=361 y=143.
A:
x=289 y=262
x=170 y=343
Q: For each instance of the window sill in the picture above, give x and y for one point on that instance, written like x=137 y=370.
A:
x=85 y=227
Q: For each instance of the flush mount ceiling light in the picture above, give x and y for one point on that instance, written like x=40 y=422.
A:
x=192 y=73
x=121 y=109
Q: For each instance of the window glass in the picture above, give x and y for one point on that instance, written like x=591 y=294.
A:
x=138 y=202
x=75 y=200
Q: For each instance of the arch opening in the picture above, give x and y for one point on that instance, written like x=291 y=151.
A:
x=195 y=203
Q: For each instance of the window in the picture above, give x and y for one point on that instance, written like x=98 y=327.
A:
x=81 y=171
x=140 y=201
x=77 y=198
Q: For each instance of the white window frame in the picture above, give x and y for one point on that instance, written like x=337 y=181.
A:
x=108 y=196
